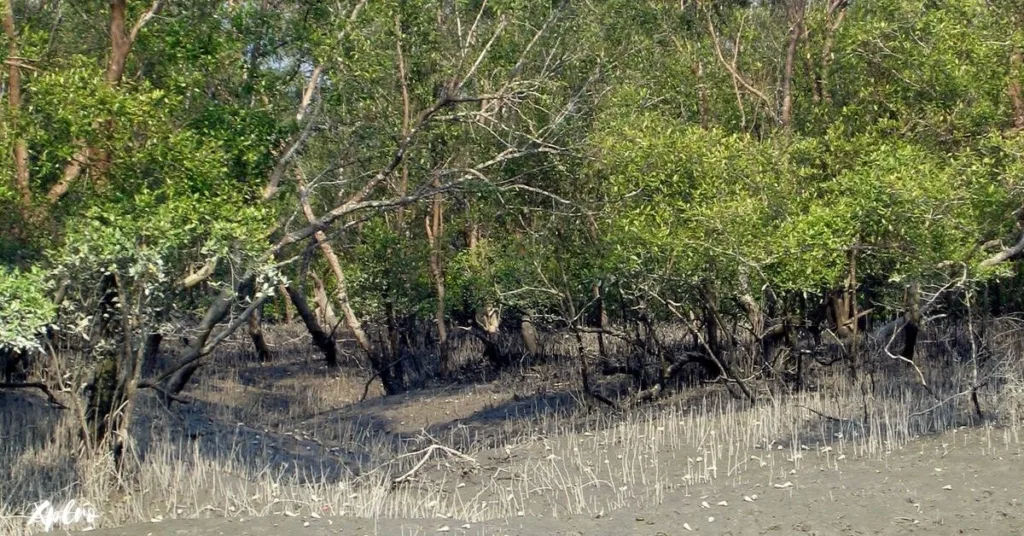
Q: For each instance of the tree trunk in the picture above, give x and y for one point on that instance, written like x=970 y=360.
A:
x=259 y=342
x=286 y=304
x=351 y=320
x=435 y=230
x=103 y=385
x=1014 y=89
x=387 y=364
x=711 y=325
x=321 y=339
x=152 y=350
x=20 y=149
x=324 y=312
x=121 y=41
x=912 y=325
x=178 y=377
x=600 y=318
x=796 y=30
x=833 y=19
x=529 y=334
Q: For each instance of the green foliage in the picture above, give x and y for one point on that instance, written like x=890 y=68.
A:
x=25 y=308
x=657 y=160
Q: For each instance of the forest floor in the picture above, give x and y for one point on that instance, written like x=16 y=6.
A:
x=289 y=448
x=957 y=483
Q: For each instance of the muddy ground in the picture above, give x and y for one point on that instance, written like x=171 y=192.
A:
x=959 y=483
x=543 y=461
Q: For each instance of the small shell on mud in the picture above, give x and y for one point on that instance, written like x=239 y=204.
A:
x=687 y=526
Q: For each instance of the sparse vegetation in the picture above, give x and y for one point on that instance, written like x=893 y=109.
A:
x=290 y=438
x=493 y=259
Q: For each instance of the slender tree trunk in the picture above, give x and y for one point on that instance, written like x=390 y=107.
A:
x=529 y=334
x=1014 y=89
x=323 y=340
x=152 y=350
x=796 y=30
x=341 y=295
x=600 y=317
x=102 y=387
x=435 y=230
x=833 y=19
x=21 y=171
x=286 y=305
x=703 y=106
x=711 y=325
x=259 y=342
x=912 y=325
x=130 y=373
x=325 y=312
x=403 y=184
x=391 y=364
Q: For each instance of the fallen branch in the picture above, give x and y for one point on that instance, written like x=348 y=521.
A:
x=427 y=453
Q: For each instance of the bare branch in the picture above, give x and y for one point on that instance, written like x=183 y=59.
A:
x=157 y=7
x=307 y=94
x=1005 y=254
x=483 y=54
x=735 y=72
x=200 y=275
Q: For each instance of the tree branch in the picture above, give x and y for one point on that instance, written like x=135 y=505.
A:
x=154 y=10
x=1005 y=254
x=35 y=385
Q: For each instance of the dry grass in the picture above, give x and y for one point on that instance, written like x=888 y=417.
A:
x=288 y=438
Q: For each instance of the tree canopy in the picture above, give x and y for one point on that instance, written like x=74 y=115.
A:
x=441 y=165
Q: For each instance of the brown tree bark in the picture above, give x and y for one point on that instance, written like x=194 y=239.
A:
x=403 y=185
x=323 y=340
x=259 y=341
x=435 y=229
x=1014 y=89
x=833 y=19
x=21 y=170
x=703 y=107
x=121 y=41
x=912 y=324
x=172 y=381
x=341 y=295
x=796 y=30
x=286 y=305
x=529 y=334
x=600 y=319
x=324 y=311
